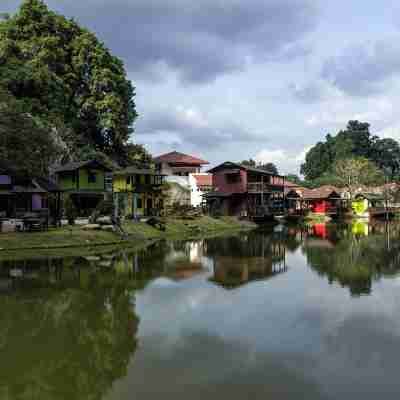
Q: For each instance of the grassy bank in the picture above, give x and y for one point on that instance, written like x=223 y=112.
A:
x=186 y=228
x=139 y=233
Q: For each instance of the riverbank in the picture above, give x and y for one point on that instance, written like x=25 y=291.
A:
x=138 y=233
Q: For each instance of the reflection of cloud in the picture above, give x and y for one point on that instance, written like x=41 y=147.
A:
x=324 y=335
x=203 y=366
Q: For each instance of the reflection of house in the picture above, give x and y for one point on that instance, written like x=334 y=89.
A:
x=86 y=182
x=20 y=194
x=182 y=170
x=324 y=200
x=231 y=272
x=138 y=191
x=245 y=191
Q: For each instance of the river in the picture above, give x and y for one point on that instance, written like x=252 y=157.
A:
x=285 y=312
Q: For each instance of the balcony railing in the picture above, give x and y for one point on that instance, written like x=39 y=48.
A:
x=258 y=187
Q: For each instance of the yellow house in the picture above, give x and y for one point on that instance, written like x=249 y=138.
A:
x=137 y=192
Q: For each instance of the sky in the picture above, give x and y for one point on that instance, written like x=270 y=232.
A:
x=263 y=79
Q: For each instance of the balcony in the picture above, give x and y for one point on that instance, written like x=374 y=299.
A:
x=259 y=187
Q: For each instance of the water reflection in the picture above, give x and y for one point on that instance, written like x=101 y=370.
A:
x=66 y=332
x=159 y=322
x=354 y=255
x=250 y=257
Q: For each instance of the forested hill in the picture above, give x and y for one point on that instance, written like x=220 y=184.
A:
x=66 y=84
x=355 y=142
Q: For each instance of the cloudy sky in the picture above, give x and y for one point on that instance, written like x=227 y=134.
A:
x=233 y=79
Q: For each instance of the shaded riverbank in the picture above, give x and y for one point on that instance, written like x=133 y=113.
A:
x=139 y=233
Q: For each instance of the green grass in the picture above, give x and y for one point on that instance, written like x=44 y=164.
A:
x=139 y=234
x=184 y=229
x=57 y=238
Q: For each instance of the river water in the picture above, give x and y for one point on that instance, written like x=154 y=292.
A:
x=279 y=313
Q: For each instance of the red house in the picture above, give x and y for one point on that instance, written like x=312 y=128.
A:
x=245 y=191
x=324 y=200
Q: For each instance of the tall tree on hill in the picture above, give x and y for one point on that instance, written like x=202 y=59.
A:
x=354 y=142
x=386 y=154
x=353 y=172
x=61 y=73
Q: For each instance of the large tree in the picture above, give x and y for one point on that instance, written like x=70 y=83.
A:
x=24 y=141
x=354 y=172
x=354 y=142
x=61 y=73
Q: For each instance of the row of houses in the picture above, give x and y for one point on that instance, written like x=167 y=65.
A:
x=138 y=190
x=227 y=189
x=329 y=200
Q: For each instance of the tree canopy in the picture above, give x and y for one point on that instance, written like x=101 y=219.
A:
x=269 y=166
x=356 y=141
x=61 y=74
x=353 y=172
x=24 y=140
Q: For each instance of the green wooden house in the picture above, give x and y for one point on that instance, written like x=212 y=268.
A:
x=364 y=201
x=86 y=182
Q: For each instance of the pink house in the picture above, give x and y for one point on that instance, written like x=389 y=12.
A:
x=245 y=191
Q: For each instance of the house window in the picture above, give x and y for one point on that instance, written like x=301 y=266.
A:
x=139 y=203
x=147 y=179
x=128 y=180
x=232 y=178
x=91 y=177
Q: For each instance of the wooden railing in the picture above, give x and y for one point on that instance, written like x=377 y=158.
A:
x=258 y=187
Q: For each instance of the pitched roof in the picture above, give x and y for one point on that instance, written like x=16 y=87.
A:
x=203 y=179
x=47 y=185
x=322 y=192
x=73 y=166
x=233 y=165
x=174 y=157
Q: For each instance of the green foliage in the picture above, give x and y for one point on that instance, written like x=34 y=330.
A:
x=355 y=141
x=294 y=179
x=269 y=166
x=24 y=140
x=249 y=163
x=62 y=74
x=326 y=179
x=354 y=172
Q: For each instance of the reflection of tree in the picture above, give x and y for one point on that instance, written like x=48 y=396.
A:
x=357 y=260
x=71 y=340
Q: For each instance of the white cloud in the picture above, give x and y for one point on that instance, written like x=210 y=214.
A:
x=286 y=161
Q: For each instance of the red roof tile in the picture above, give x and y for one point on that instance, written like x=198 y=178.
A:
x=179 y=158
x=203 y=179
